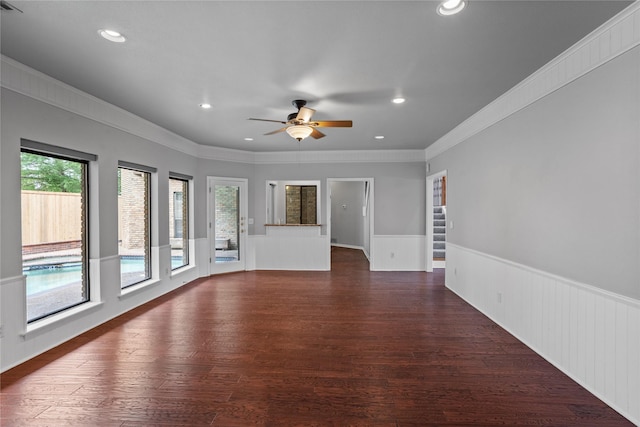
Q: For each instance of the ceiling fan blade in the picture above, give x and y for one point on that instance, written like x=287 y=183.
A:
x=334 y=124
x=267 y=120
x=317 y=134
x=304 y=114
x=277 y=131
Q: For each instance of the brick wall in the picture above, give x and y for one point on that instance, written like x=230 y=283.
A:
x=176 y=186
x=301 y=204
x=227 y=214
x=51 y=247
x=308 y=205
x=134 y=220
x=293 y=195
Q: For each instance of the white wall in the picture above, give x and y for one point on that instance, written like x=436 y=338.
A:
x=398 y=253
x=347 y=221
x=544 y=194
x=289 y=252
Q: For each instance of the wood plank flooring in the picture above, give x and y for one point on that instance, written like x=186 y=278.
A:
x=346 y=347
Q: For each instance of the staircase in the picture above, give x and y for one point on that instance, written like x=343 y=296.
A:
x=439 y=234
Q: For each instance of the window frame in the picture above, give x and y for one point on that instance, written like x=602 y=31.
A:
x=186 y=213
x=85 y=159
x=149 y=171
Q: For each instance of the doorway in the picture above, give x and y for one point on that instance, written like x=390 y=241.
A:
x=436 y=221
x=350 y=213
x=227 y=227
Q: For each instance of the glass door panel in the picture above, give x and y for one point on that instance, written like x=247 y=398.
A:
x=227 y=225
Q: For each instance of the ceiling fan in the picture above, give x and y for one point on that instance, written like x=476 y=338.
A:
x=299 y=126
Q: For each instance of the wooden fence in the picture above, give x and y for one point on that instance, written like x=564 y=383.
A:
x=49 y=217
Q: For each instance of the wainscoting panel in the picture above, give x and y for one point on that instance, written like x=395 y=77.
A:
x=12 y=319
x=288 y=253
x=591 y=335
x=202 y=256
x=398 y=253
x=108 y=283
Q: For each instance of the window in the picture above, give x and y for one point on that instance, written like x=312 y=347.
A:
x=179 y=219
x=54 y=183
x=301 y=204
x=134 y=223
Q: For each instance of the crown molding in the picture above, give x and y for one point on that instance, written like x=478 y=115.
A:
x=25 y=80
x=346 y=156
x=210 y=152
x=613 y=38
x=22 y=79
x=296 y=157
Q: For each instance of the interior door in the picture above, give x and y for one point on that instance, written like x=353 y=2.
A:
x=227 y=224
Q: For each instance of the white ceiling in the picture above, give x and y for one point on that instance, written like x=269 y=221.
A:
x=252 y=58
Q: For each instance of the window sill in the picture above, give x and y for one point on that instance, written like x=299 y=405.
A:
x=178 y=271
x=135 y=289
x=51 y=322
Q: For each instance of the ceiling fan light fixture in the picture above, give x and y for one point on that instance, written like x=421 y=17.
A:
x=299 y=132
x=112 y=36
x=398 y=100
x=451 y=7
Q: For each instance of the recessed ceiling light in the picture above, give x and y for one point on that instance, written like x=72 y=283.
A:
x=398 y=100
x=112 y=36
x=205 y=106
x=451 y=7
x=379 y=137
x=248 y=139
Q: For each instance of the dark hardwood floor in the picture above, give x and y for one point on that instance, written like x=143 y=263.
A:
x=346 y=347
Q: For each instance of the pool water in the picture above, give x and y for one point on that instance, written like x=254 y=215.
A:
x=42 y=279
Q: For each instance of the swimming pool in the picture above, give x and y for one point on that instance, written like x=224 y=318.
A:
x=51 y=273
